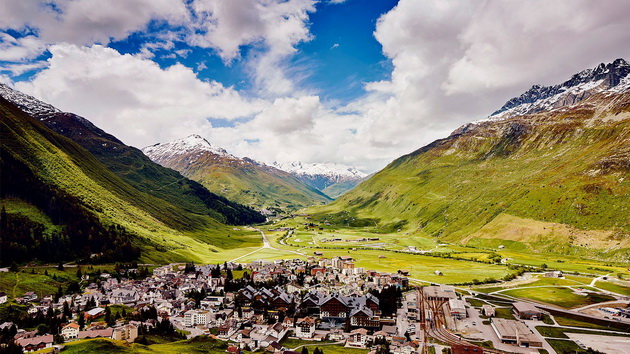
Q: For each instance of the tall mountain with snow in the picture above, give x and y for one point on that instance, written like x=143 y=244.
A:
x=241 y=179
x=611 y=77
x=334 y=179
x=29 y=104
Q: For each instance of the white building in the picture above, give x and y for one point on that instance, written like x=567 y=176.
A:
x=458 y=309
x=305 y=327
x=196 y=317
x=70 y=331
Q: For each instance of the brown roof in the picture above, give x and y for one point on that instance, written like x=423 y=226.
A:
x=35 y=340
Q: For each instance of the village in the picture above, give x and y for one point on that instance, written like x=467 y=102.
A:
x=317 y=300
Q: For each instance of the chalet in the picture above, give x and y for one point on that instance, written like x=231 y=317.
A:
x=364 y=317
x=526 y=311
x=305 y=327
x=29 y=296
x=123 y=296
x=70 y=331
x=281 y=302
x=311 y=303
x=333 y=307
x=36 y=343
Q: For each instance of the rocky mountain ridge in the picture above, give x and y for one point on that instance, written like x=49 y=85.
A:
x=611 y=77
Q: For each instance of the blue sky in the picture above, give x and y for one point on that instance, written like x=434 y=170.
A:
x=359 y=82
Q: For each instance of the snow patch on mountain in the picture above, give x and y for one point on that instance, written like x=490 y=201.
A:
x=329 y=169
x=28 y=104
x=192 y=144
x=605 y=78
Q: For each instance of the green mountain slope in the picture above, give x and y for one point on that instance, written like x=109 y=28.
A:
x=135 y=168
x=97 y=211
x=242 y=180
x=555 y=181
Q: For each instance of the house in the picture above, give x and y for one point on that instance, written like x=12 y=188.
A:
x=526 y=311
x=70 y=331
x=3 y=297
x=358 y=338
x=127 y=332
x=94 y=313
x=123 y=296
x=96 y=333
x=196 y=317
x=305 y=327
x=439 y=292
x=458 y=309
x=36 y=343
x=488 y=311
x=554 y=274
x=515 y=332
x=334 y=306
x=364 y=317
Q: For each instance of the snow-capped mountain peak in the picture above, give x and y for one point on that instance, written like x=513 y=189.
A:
x=612 y=77
x=325 y=169
x=28 y=104
x=190 y=144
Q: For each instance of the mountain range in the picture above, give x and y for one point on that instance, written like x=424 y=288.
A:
x=241 y=179
x=550 y=171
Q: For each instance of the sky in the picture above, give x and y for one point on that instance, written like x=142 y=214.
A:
x=358 y=82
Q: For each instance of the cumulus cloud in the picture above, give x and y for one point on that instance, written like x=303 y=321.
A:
x=276 y=27
x=452 y=62
x=85 y=22
x=133 y=98
x=511 y=43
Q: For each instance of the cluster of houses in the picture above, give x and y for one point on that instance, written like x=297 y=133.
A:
x=331 y=292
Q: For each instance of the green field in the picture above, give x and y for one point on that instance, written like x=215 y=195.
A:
x=613 y=287
x=571 y=322
x=558 y=332
x=195 y=345
x=559 y=296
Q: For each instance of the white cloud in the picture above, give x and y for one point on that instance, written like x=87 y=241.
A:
x=19 y=49
x=276 y=27
x=538 y=42
x=133 y=98
x=87 y=22
x=459 y=61
x=453 y=62
x=19 y=69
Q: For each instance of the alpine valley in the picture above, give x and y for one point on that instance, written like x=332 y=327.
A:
x=547 y=173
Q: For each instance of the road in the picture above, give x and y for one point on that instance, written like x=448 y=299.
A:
x=267 y=245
